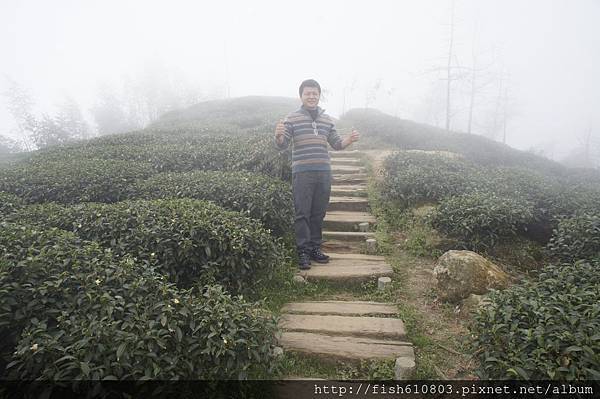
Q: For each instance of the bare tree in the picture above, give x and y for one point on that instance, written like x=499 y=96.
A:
x=71 y=120
x=587 y=152
x=479 y=79
x=348 y=93
x=9 y=146
x=449 y=76
x=371 y=93
x=20 y=105
x=110 y=114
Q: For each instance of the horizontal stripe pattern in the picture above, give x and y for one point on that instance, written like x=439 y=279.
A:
x=309 y=150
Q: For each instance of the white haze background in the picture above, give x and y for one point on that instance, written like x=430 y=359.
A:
x=546 y=51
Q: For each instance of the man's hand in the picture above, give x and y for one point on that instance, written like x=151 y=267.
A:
x=354 y=136
x=280 y=131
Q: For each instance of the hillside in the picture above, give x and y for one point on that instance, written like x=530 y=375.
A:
x=180 y=236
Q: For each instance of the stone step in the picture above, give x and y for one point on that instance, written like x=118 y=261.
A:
x=349 y=247
x=344 y=192
x=346 y=179
x=346 y=169
x=356 y=326
x=348 y=267
x=355 y=204
x=347 y=235
x=345 y=154
x=345 y=348
x=357 y=257
x=346 y=161
x=341 y=308
x=346 y=221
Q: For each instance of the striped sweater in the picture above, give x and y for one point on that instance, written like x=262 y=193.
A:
x=309 y=150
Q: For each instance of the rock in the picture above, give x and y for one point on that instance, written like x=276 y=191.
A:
x=404 y=367
x=383 y=283
x=371 y=246
x=298 y=279
x=461 y=273
x=364 y=226
x=277 y=351
x=473 y=302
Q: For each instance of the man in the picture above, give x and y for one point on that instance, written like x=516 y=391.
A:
x=310 y=129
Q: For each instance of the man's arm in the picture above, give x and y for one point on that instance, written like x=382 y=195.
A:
x=283 y=134
x=337 y=143
x=350 y=139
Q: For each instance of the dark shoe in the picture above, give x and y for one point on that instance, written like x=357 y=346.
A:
x=303 y=261
x=318 y=256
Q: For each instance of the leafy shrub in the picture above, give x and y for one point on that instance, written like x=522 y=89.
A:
x=189 y=239
x=257 y=196
x=74 y=311
x=576 y=238
x=9 y=203
x=481 y=219
x=413 y=177
x=545 y=328
x=165 y=151
x=72 y=180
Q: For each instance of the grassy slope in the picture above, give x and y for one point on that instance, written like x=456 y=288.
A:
x=438 y=333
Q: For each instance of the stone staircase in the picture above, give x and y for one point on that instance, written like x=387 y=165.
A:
x=350 y=331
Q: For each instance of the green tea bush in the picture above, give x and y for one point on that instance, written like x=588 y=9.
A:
x=169 y=152
x=190 y=240
x=544 y=328
x=576 y=238
x=9 y=203
x=72 y=311
x=481 y=219
x=413 y=177
x=259 y=197
x=72 y=180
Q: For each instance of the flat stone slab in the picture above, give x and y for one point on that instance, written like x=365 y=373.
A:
x=350 y=178
x=345 y=154
x=342 y=246
x=356 y=257
x=348 y=193
x=349 y=216
x=348 y=235
x=346 y=220
x=329 y=347
x=357 y=204
x=348 y=269
x=346 y=169
x=346 y=161
x=342 y=308
x=358 y=326
x=351 y=187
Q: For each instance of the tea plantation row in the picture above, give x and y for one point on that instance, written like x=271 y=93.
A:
x=546 y=327
x=119 y=256
x=482 y=205
x=74 y=310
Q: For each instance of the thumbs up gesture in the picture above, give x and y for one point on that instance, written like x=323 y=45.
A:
x=279 y=130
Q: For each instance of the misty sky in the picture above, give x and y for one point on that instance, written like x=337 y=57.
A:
x=546 y=52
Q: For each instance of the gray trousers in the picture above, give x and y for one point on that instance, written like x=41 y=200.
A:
x=311 y=191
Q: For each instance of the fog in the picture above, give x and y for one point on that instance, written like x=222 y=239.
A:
x=535 y=59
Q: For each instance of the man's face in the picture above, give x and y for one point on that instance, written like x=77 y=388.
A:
x=310 y=97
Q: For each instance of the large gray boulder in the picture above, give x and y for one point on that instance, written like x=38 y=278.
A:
x=462 y=273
